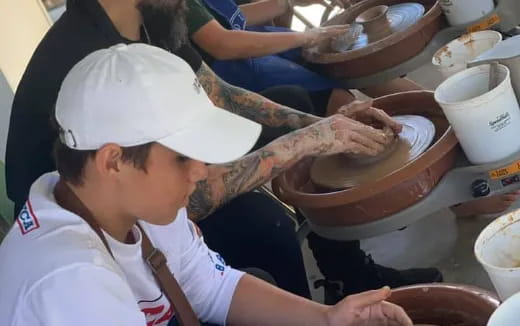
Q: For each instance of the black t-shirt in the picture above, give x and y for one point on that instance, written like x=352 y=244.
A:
x=82 y=29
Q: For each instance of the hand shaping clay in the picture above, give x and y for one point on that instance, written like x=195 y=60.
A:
x=346 y=171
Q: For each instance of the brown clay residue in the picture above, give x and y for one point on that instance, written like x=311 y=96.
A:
x=469 y=43
x=464 y=38
x=445 y=51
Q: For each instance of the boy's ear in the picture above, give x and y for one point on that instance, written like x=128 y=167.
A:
x=108 y=159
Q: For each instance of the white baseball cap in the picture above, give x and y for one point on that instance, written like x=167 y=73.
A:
x=135 y=94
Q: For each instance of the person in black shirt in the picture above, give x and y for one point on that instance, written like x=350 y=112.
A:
x=84 y=28
x=238 y=230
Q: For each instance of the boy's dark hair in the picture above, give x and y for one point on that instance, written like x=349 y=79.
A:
x=70 y=163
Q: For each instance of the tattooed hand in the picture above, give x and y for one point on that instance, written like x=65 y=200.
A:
x=339 y=134
x=363 y=111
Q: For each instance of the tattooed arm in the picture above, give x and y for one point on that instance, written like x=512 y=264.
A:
x=227 y=181
x=251 y=105
x=337 y=134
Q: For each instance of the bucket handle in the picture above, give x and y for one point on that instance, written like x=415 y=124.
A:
x=472 y=64
x=493 y=72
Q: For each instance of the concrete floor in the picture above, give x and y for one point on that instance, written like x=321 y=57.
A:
x=439 y=240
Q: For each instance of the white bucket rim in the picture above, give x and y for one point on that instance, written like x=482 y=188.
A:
x=491 y=94
x=480 y=239
x=474 y=34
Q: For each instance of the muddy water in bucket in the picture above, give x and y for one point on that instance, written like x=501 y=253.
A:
x=498 y=250
x=486 y=120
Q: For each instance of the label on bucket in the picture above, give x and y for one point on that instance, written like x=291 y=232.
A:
x=485 y=24
x=500 y=122
x=505 y=171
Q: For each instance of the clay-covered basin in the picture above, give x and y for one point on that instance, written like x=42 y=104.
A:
x=446 y=304
x=383 y=197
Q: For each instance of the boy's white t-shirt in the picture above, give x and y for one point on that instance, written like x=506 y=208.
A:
x=55 y=270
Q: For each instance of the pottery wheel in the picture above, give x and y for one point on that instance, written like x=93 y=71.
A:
x=401 y=17
x=343 y=171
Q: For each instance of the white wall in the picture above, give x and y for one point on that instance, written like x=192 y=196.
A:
x=6 y=99
x=23 y=23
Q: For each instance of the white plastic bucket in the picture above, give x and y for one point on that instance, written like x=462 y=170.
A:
x=454 y=56
x=507 y=313
x=486 y=122
x=459 y=12
x=498 y=250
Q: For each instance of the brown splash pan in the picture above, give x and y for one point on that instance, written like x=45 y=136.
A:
x=383 y=54
x=388 y=195
x=446 y=304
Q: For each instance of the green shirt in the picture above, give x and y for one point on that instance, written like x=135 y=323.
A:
x=197 y=16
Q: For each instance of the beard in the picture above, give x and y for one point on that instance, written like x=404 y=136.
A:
x=165 y=21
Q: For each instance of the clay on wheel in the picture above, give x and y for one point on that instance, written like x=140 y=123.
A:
x=345 y=171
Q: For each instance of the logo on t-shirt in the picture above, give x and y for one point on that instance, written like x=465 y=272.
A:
x=220 y=264
x=157 y=312
x=27 y=221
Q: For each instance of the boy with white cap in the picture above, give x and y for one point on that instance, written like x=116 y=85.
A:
x=127 y=163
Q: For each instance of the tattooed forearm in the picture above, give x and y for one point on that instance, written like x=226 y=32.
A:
x=201 y=201
x=230 y=180
x=251 y=105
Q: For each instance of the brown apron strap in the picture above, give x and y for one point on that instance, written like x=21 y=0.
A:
x=158 y=263
x=67 y=199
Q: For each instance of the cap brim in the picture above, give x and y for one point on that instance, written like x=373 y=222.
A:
x=218 y=137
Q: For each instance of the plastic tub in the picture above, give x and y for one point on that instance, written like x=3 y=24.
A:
x=486 y=122
x=498 y=250
x=459 y=12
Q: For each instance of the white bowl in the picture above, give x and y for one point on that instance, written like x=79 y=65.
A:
x=507 y=314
